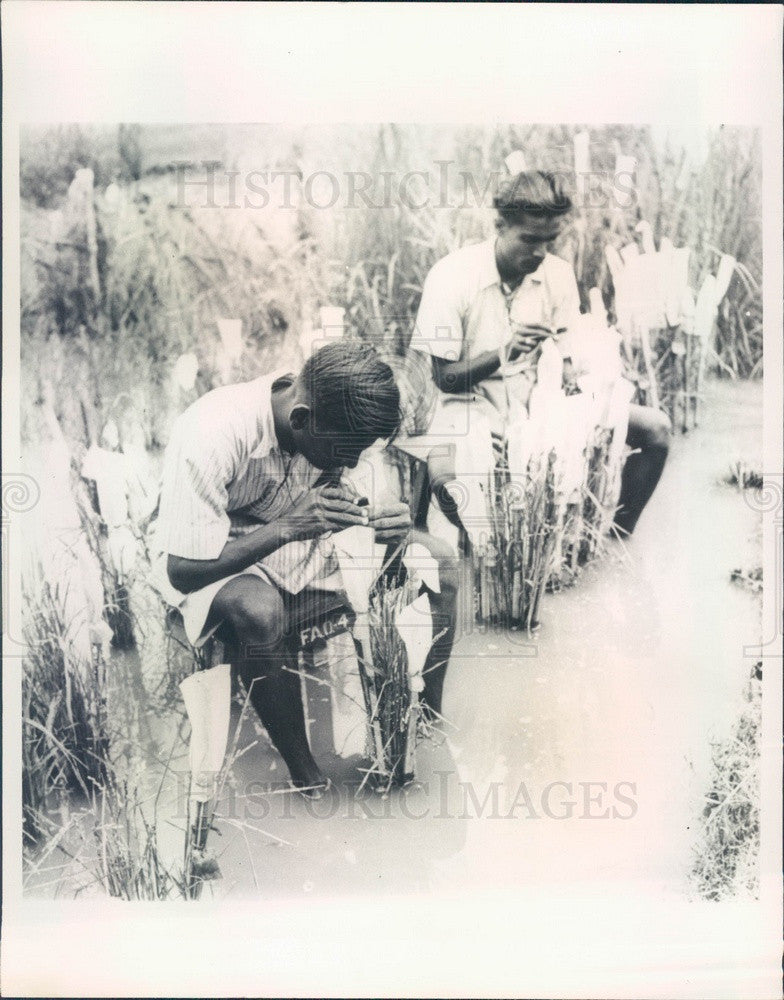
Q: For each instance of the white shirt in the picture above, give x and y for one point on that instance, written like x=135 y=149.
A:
x=224 y=473
x=464 y=311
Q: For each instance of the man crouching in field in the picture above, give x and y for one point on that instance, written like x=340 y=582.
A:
x=485 y=312
x=252 y=468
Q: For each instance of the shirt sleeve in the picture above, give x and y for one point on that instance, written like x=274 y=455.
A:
x=193 y=521
x=439 y=323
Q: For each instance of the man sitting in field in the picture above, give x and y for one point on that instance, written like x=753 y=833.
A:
x=484 y=313
x=249 y=469
x=250 y=491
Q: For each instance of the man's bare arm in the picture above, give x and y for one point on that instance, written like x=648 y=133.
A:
x=187 y=575
x=461 y=376
x=326 y=508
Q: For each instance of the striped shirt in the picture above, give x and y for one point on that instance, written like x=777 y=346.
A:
x=224 y=475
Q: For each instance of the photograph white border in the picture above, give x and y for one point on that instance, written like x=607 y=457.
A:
x=225 y=62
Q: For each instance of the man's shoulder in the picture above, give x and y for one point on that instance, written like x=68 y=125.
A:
x=461 y=258
x=229 y=406
x=463 y=266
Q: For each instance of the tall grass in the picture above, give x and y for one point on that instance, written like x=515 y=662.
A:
x=78 y=761
x=715 y=207
x=390 y=249
x=166 y=273
x=726 y=858
x=82 y=743
x=65 y=738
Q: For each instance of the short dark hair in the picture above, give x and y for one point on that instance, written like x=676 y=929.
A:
x=352 y=391
x=533 y=192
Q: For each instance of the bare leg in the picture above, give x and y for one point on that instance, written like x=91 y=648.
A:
x=254 y=609
x=649 y=431
x=443 y=607
x=441 y=470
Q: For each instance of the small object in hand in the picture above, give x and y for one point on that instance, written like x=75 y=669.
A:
x=362 y=502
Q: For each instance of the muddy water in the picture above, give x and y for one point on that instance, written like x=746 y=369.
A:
x=580 y=754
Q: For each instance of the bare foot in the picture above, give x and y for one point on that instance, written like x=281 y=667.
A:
x=308 y=779
x=313 y=790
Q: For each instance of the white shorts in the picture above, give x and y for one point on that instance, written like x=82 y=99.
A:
x=195 y=607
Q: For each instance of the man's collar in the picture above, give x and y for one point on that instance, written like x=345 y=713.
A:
x=488 y=270
x=266 y=422
x=488 y=273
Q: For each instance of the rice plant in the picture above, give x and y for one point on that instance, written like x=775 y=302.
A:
x=128 y=860
x=142 y=279
x=744 y=476
x=390 y=701
x=512 y=570
x=65 y=736
x=726 y=860
x=79 y=760
x=599 y=495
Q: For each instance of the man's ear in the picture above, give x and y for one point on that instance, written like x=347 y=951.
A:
x=299 y=417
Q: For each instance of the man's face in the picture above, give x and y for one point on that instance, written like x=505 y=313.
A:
x=329 y=449
x=521 y=246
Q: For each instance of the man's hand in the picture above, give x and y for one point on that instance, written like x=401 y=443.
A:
x=325 y=508
x=525 y=339
x=392 y=522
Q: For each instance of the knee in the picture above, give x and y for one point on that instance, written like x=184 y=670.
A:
x=446 y=489
x=256 y=611
x=660 y=432
x=441 y=467
x=649 y=428
x=448 y=565
x=449 y=577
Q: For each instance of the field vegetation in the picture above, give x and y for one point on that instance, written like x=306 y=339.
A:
x=128 y=265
